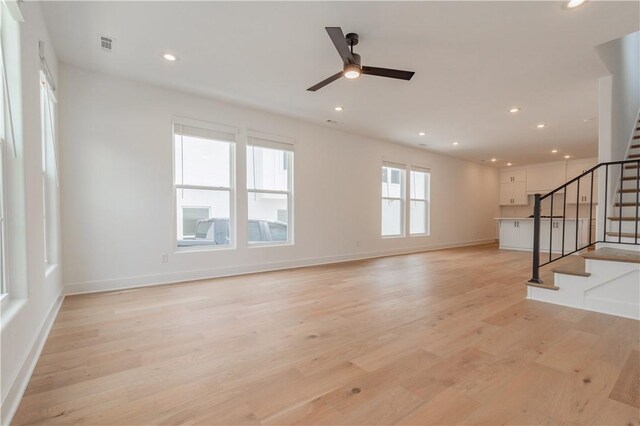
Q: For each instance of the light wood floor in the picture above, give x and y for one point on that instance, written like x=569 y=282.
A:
x=443 y=337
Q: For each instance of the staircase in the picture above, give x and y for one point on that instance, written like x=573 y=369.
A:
x=604 y=275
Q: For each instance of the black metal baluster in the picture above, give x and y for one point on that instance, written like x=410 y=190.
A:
x=551 y=229
x=637 y=218
x=535 y=275
x=620 y=193
x=606 y=201
x=564 y=215
x=577 y=212
x=591 y=208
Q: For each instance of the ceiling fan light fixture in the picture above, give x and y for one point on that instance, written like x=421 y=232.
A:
x=352 y=71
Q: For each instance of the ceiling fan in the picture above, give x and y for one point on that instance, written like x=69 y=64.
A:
x=352 y=67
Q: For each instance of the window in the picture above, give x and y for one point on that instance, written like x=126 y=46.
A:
x=48 y=172
x=393 y=201
x=204 y=189
x=270 y=190
x=419 y=202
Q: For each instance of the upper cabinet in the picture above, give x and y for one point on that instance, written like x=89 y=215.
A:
x=543 y=178
x=513 y=175
x=518 y=182
x=513 y=187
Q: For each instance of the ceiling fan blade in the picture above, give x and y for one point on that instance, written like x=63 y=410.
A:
x=339 y=41
x=325 y=82
x=387 y=72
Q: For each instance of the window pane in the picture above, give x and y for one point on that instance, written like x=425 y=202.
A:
x=393 y=187
x=278 y=231
x=210 y=230
x=190 y=218
x=418 y=217
x=418 y=185
x=268 y=168
x=254 y=231
x=392 y=217
x=203 y=162
x=269 y=210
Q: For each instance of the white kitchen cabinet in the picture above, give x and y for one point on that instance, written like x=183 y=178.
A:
x=576 y=168
x=513 y=175
x=513 y=194
x=544 y=178
x=517 y=234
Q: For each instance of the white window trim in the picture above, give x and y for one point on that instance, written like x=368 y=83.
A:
x=403 y=200
x=281 y=143
x=233 y=234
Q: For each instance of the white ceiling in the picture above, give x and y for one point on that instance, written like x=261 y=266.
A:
x=473 y=61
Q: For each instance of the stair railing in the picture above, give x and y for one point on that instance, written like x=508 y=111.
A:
x=581 y=199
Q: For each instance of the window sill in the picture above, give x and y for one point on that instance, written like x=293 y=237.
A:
x=270 y=244
x=392 y=237
x=420 y=235
x=199 y=249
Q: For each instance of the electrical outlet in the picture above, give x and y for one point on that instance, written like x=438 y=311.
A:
x=165 y=258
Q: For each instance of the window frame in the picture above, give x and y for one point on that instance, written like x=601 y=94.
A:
x=402 y=198
x=284 y=145
x=232 y=190
x=426 y=200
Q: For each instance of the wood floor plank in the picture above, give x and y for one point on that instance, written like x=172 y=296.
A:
x=440 y=337
x=627 y=387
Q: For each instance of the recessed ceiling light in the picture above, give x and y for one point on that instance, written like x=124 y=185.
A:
x=509 y=164
x=541 y=126
x=422 y=133
x=456 y=143
x=567 y=156
x=554 y=151
x=338 y=108
x=422 y=144
x=170 y=57
x=515 y=109
x=572 y=4
x=493 y=160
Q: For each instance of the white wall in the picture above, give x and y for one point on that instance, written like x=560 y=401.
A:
x=117 y=194
x=35 y=293
x=622 y=59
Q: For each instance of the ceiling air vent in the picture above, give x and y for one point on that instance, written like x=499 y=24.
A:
x=106 y=43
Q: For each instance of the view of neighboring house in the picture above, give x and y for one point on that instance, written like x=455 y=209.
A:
x=320 y=213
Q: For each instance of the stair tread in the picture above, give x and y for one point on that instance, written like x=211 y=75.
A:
x=632 y=166
x=624 y=218
x=634 y=156
x=626 y=204
x=623 y=235
x=574 y=266
x=634 y=146
x=543 y=285
x=629 y=190
x=630 y=178
x=613 y=255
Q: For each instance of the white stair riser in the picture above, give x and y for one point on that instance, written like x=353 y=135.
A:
x=612 y=239
x=627 y=226
x=618 y=246
x=628 y=197
x=630 y=184
x=626 y=211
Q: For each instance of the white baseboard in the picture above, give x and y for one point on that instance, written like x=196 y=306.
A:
x=176 y=277
x=14 y=395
